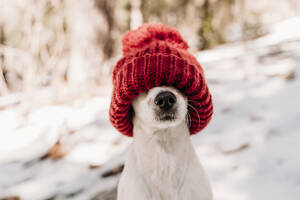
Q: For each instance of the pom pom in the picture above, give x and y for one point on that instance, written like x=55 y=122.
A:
x=147 y=33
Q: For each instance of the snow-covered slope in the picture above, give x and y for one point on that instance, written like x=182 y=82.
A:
x=251 y=147
x=249 y=150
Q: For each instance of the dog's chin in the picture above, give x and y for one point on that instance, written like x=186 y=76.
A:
x=166 y=120
x=166 y=116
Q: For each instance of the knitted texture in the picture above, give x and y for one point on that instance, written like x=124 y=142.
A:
x=156 y=55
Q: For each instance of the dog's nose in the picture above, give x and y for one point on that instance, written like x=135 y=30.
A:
x=165 y=100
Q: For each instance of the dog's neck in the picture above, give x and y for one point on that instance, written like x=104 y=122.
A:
x=162 y=155
x=149 y=140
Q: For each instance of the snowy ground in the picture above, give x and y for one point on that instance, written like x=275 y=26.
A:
x=249 y=150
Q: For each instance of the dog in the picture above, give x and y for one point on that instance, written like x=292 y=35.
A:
x=161 y=163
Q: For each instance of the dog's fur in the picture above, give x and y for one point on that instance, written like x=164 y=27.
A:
x=162 y=163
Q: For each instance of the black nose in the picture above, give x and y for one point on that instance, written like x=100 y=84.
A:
x=165 y=100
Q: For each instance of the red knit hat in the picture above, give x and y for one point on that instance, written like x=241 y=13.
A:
x=156 y=55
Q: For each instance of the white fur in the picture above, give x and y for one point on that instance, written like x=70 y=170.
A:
x=162 y=163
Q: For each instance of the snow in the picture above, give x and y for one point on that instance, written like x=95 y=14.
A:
x=249 y=150
x=85 y=133
x=255 y=104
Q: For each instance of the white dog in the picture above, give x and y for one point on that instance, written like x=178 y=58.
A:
x=162 y=163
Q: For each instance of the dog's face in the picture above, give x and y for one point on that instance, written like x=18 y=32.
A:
x=160 y=107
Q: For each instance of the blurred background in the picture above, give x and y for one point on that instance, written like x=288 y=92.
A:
x=56 y=59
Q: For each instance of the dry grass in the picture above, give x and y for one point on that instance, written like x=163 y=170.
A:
x=49 y=43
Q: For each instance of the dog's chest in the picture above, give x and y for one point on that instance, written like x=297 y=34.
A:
x=164 y=176
x=173 y=180
x=163 y=172
x=166 y=169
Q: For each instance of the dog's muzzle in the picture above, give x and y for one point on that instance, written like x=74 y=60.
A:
x=165 y=102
